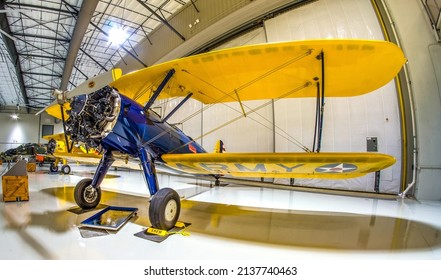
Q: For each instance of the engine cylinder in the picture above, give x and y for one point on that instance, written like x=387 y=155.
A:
x=93 y=116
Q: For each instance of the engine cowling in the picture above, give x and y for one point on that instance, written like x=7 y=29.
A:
x=92 y=117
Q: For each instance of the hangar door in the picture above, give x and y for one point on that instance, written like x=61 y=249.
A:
x=353 y=124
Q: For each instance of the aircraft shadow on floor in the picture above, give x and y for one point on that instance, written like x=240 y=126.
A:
x=293 y=228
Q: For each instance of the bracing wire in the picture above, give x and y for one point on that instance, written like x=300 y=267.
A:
x=251 y=111
x=282 y=132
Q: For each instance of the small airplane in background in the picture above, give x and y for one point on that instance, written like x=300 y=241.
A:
x=24 y=150
x=113 y=112
x=59 y=144
x=64 y=152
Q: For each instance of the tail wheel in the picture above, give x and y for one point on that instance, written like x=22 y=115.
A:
x=86 y=196
x=164 y=209
x=53 y=167
x=65 y=169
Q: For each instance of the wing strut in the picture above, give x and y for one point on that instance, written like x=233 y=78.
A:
x=159 y=89
x=241 y=105
x=320 y=105
x=69 y=147
x=177 y=107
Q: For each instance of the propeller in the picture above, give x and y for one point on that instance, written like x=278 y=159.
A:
x=86 y=87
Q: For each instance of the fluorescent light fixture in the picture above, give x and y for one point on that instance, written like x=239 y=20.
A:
x=117 y=35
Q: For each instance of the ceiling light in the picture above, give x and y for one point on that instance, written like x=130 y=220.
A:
x=14 y=117
x=117 y=35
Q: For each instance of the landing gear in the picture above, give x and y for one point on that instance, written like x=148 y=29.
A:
x=164 y=209
x=217 y=182
x=65 y=169
x=165 y=205
x=87 y=192
x=86 y=196
x=53 y=167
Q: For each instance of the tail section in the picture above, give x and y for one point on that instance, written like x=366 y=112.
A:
x=219 y=147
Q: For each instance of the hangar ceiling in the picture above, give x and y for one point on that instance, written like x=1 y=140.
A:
x=57 y=44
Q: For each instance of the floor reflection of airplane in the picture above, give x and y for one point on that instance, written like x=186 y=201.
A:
x=106 y=112
x=79 y=153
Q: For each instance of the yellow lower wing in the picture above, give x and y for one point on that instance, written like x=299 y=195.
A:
x=94 y=159
x=56 y=137
x=281 y=165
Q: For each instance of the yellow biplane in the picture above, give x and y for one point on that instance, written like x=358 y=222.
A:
x=114 y=112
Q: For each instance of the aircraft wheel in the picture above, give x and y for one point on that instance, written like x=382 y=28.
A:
x=164 y=209
x=65 y=169
x=53 y=168
x=86 y=196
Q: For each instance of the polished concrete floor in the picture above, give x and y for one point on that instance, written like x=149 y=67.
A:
x=227 y=222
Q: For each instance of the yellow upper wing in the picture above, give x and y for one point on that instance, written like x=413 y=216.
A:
x=281 y=165
x=351 y=67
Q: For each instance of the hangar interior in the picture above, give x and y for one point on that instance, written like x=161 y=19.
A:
x=50 y=45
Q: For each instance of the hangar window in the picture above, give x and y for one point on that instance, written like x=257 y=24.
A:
x=47 y=129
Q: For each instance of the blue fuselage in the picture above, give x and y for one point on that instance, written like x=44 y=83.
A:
x=136 y=129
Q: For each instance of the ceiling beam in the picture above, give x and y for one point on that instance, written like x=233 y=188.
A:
x=42 y=88
x=84 y=16
x=31 y=56
x=107 y=35
x=10 y=45
x=121 y=46
x=37 y=7
x=42 y=74
x=41 y=37
x=163 y=20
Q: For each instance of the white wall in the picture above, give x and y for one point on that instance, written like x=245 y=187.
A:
x=424 y=56
x=27 y=129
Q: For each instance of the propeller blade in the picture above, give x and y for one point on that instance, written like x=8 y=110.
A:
x=45 y=108
x=95 y=83
x=86 y=87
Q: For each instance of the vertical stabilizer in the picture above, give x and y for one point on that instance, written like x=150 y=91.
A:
x=219 y=147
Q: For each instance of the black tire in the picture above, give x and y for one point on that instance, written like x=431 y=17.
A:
x=86 y=196
x=53 y=167
x=164 y=209
x=65 y=169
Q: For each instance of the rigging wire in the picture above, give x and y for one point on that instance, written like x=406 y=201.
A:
x=231 y=94
x=254 y=110
x=287 y=136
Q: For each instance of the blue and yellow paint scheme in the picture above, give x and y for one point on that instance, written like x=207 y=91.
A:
x=115 y=112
